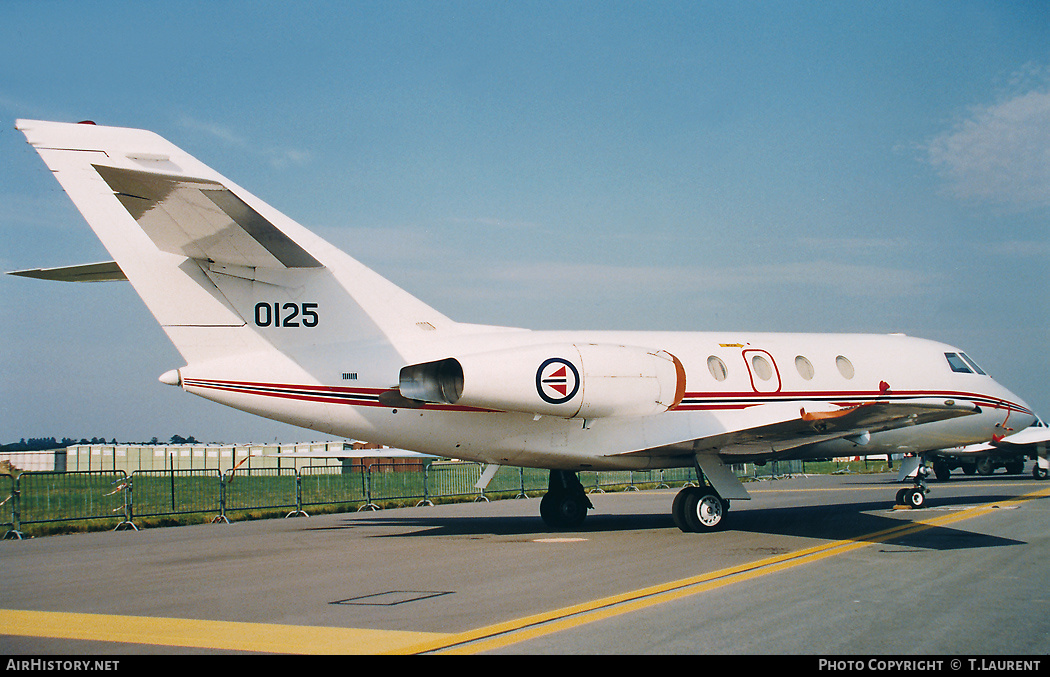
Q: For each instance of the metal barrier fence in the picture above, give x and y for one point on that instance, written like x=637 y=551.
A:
x=323 y=485
x=174 y=492
x=48 y=496
x=260 y=489
x=389 y=482
x=15 y=530
x=36 y=497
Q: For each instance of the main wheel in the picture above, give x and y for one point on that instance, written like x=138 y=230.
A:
x=548 y=510
x=678 y=508
x=563 y=510
x=704 y=510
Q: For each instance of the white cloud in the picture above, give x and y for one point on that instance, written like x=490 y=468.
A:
x=1000 y=153
x=595 y=281
x=279 y=158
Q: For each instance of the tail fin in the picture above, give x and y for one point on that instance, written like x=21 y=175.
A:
x=223 y=273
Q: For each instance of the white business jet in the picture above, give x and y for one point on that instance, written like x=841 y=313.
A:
x=272 y=320
x=1008 y=452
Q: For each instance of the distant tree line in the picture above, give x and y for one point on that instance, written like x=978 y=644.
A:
x=45 y=443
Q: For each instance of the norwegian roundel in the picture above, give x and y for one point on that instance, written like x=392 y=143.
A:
x=557 y=380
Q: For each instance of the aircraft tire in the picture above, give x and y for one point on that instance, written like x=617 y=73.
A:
x=916 y=497
x=562 y=510
x=704 y=511
x=547 y=509
x=900 y=496
x=678 y=508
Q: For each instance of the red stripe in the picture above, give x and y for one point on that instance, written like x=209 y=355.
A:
x=316 y=393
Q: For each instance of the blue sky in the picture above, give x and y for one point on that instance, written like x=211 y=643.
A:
x=781 y=166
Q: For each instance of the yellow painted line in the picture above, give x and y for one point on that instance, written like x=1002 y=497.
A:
x=274 y=638
x=512 y=632
x=871 y=487
x=198 y=634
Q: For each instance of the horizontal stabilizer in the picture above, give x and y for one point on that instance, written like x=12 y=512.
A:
x=107 y=271
x=203 y=220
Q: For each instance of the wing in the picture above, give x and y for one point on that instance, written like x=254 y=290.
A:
x=1031 y=436
x=385 y=452
x=778 y=430
x=774 y=429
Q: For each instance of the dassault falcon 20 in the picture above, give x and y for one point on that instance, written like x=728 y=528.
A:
x=272 y=320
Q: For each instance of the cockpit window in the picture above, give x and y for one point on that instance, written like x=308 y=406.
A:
x=957 y=364
x=973 y=365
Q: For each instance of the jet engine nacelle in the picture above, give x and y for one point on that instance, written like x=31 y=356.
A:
x=566 y=380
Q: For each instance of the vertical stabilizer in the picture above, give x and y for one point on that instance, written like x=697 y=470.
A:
x=224 y=273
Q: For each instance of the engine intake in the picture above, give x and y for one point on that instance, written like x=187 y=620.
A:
x=565 y=380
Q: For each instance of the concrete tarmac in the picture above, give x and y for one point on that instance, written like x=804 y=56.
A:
x=819 y=565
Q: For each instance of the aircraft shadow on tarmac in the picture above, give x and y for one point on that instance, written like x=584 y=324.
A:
x=864 y=521
x=832 y=521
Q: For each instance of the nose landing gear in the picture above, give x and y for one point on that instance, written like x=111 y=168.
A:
x=915 y=495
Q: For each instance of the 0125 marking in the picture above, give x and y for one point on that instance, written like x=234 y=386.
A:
x=270 y=314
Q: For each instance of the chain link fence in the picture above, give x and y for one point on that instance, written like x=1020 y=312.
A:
x=38 y=497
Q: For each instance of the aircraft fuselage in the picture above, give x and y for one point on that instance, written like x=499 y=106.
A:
x=733 y=381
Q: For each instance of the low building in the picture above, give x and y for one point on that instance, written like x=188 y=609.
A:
x=340 y=456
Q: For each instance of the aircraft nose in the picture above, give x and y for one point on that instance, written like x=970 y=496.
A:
x=1021 y=415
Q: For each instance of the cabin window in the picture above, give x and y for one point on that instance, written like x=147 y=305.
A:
x=973 y=365
x=957 y=364
x=805 y=367
x=762 y=368
x=845 y=367
x=717 y=368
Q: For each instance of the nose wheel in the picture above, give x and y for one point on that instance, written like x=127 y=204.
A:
x=915 y=496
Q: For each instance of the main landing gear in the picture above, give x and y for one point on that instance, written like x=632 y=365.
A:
x=565 y=504
x=703 y=508
x=696 y=509
x=699 y=509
